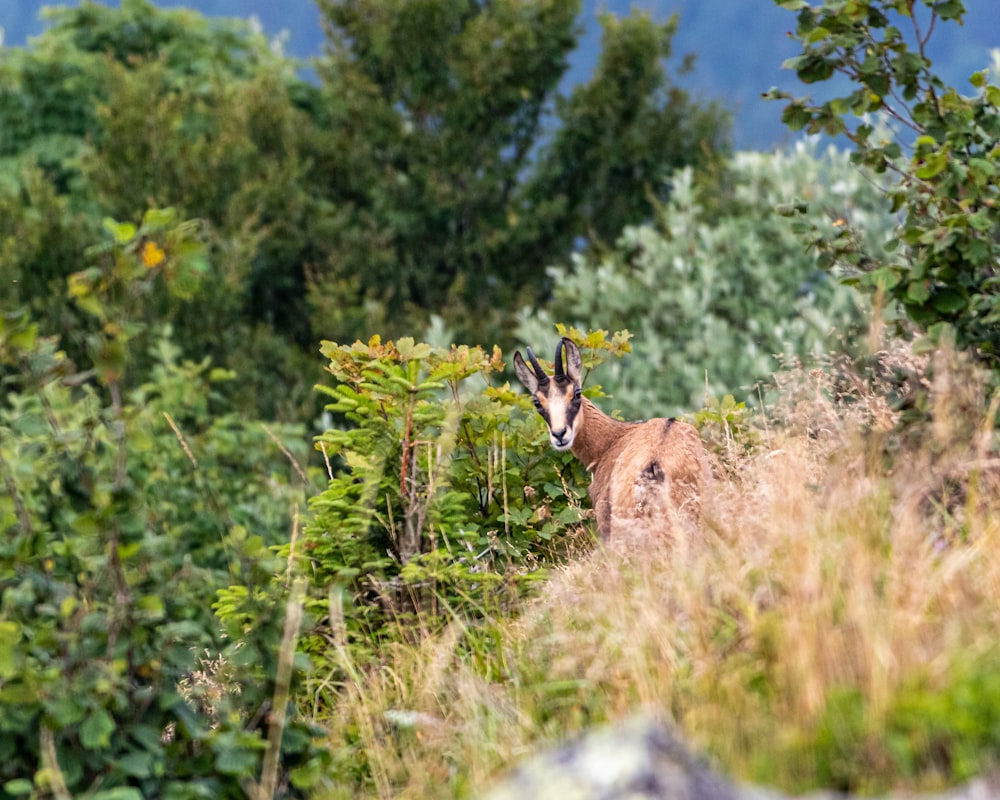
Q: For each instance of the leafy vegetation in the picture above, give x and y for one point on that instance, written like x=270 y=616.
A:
x=719 y=265
x=937 y=150
x=383 y=194
x=124 y=512
x=834 y=626
x=449 y=504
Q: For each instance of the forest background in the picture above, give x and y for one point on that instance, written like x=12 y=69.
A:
x=738 y=47
x=259 y=448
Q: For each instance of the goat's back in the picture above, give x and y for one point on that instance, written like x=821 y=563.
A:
x=656 y=472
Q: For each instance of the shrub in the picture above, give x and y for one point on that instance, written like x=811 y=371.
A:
x=720 y=284
x=833 y=626
x=936 y=152
x=445 y=498
x=124 y=511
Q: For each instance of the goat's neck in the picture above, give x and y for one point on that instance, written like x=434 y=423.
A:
x=597 y=433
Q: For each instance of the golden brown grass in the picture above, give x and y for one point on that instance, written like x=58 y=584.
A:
x=838 y=556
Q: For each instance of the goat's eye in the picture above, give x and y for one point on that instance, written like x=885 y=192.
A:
x=576 y=393
x=537 y=402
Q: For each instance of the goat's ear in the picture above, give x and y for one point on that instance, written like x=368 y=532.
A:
x=524 y=374
x=574 y=362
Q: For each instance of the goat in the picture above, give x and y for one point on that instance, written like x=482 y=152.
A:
x=653 y=470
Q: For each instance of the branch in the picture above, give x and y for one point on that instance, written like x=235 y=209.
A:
x=268 y=785
x=19 y=507
x=50 y=761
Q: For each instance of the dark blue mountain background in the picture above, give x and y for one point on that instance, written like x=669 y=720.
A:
x=739 y=46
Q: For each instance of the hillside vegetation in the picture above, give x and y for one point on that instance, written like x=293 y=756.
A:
x=834 y=626
x=233 y=566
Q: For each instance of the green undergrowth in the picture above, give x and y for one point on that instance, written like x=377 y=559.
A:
x=833 y=626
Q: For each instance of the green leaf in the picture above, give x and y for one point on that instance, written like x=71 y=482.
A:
x=66 y=710
x=137 y=763
x=409 y=351
x=307 y=775
x=10 y=637
x=796 y=116
x=941 y=332
x=949 y=9
x=236 y=761
x=878 y=82
x=24 y=340
x=884 y=279
x=152 y=606
x=159 y=217
x=96 y=730
x=918 y=292
x=122 y=232
x=932 y=166
x=949 y=301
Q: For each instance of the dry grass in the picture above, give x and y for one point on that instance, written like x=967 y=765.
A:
x=838 y=556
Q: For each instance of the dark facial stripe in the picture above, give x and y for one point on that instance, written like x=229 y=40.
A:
x=558 y=394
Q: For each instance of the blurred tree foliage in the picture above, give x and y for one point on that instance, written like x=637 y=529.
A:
x=433 y=168
x=113 y=110
x=720 y=284
x=936 y=149
x=467 y=172
x=122 y=513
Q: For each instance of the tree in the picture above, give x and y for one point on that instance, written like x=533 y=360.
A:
x=458 y=169
x=112 y=109
x=435 y=170
x=720 y=284
x=938 y=150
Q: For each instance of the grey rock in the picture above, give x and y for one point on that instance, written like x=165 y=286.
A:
x=644 y=759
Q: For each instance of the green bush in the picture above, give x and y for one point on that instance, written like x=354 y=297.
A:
x=935 y=150
x=113 y=109
x=444 y=496
x=124 y=511
x=720 y=284
x=409 y=181
x=942 y=731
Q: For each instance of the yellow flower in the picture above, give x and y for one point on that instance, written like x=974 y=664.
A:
x=152 y=255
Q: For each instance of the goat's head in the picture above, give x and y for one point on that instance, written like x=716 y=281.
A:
x=557 y=398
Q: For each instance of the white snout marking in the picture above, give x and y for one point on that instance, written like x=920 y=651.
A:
x=565 y=444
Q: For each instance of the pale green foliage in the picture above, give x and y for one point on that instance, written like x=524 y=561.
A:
x=718 y=287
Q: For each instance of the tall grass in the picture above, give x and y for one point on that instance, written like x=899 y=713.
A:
x=836 y=624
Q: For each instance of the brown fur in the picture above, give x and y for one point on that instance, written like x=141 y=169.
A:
x=648 y=474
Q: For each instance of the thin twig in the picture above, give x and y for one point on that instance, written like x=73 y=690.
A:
x=287 y=453
x=180 y=438
x=503 y=479
x=50 y=761
x=19 y=507
x=291 y=546
x=282 y=691
x=326 y=458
